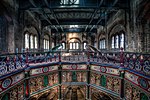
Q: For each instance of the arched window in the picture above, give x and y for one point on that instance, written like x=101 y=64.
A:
x=31 y=39
x=118 y=41
x=122 y=40
x=102 y=44
x=74 y=44
x=26 y=40
x=46 y=42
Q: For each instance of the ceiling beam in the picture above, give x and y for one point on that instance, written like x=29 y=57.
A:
x=46 y=18
x=44 y=15
x=55 y=17
x=94 y=30
x=114 y=3
x=93 y=15
x=55 y=4
x=33 y=3
x=73 y=11
x=70 y=22
x=97 y=23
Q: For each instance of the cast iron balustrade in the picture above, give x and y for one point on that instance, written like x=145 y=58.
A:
x=137 y=62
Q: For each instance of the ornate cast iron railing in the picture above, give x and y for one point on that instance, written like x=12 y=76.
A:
x=134 y=61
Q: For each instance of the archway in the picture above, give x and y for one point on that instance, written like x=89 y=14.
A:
x=100 y=96
x=3 y=34
x=49 y=96
x=7 y=32
x=74 y=93
x=143 y=19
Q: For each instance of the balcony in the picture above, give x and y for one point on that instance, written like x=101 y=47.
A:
x=110 y=72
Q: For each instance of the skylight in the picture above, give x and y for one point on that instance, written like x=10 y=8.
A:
x=73 y=26
x=69 y=2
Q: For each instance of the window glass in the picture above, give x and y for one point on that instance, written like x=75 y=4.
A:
x=113 y=42
x=71 y=45
x=26 y=40
x=117 y=42
x=31 y=42
x=63 y=46
x=99 y=44
x=47 y=44
x=35 y=41
x=95 y=44
x=69 y=2
x=52 y=44
x=122 y=40
x=77 y=45
x=84 y=45
x=44 y=44
x=74 y=45
x=102 y=44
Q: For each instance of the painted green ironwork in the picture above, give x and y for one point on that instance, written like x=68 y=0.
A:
x=45 y=80
x=103 y=80
x=54 y=49
x=143 y=97
x=5 y=97
x=74 y=76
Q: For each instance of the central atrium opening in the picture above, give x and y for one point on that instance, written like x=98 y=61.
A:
x=74 y=49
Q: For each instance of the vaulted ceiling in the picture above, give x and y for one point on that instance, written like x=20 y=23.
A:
x=86 y=15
